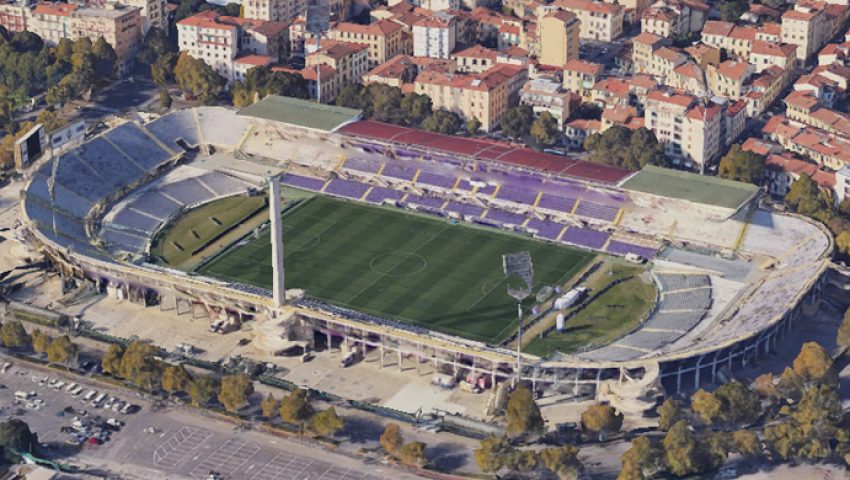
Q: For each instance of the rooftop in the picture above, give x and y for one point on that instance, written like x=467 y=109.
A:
x=301 y=112
x=691 y=187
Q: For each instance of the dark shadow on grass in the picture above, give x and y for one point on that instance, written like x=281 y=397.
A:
x=447 y=457
x=362 y=430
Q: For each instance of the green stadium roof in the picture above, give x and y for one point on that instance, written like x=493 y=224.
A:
x=695 y=188
x=300 y=112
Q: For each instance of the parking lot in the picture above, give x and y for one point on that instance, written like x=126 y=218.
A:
x=173 y=444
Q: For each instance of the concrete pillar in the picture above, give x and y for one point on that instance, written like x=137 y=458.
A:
x=330 y=340
x=399 y=361
x=275 y=212
x=381 y=352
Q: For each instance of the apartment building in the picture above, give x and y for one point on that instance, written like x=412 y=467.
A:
x=398 y=71
x=736 y=40
x=826 y=149
x=728 y=79
x=384 y=38
x=349 y=60
x=807 y=26
x=704 y=55
x=485 y=96
x=780 y=171
x=153 y=12
x=435 y=36
x=580 y=76
x=576 y=131
x=559 y=38
x=546 y=94
x=690 y=132
x=764 y=89
x=765 y=54
x=599 y=20
x=15 y=15
x=274 y=10
x=672 y=17
x=665 y=60
x=688 y=77
x=475 y=59
x=329 y=88
x=643 y=50
x=219 y=40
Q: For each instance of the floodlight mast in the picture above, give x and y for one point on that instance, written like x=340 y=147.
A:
x=519 y=265
x=275 y=213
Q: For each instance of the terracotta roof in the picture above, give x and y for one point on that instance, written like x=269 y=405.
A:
x=477 y=51
x=590 y=6
x=339 y=50
x=670 y=54
x=699 y=50
x=562 y=15
x=671 y=98
x=764 y=10
x=210 y=19
x=646 y=38
x=663 y=13
x=54 y=8
x=585 y=124
x=255 y=60
x=795 y=166
x=436 y=21
x=743 y=33
x=698 y=111
x=690 y=70
x=735 y=70
x=833 y=68
x=486 y=81
x=395 y=67
x=771 y=28
x=796 y=15
x=643 y=81
x=583 y=66
x=759 y=145
x=619 y=114
x=713 y=27
x=379 y=28
x=773 y=49
x=801 y=99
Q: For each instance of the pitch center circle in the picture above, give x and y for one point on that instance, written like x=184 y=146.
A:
x=398 y=264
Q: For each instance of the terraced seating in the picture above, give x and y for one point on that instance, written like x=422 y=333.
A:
x=79 y=178
x=123 y=240
x=697 y=299
x=110 y=164
x=133 y=141
x=623 y=248
x=221 y=126
x=648 y=341
x=504 y=217
x=545 y=228
x=676 y=281
x=187 y=192
x=435 y=180
x=556 y=203
x=179 y=125
x=299 y=181
x=401 y=172
x=346 y=188
x=464 y=209
x=679 y=321
x=132 y=220
x=518 y=195
x=222 y=184
x=379 y=194
x=71 y=202
x=596 y=210
x=425 y=201
x=585 y=237
x=156 y=205
x=65 y=225
x=365 y=165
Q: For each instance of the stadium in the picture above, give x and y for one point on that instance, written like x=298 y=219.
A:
x=393 y=241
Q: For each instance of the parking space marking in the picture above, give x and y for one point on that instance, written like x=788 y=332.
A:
x=227 y=459
x=283 y=465
x=179 y=446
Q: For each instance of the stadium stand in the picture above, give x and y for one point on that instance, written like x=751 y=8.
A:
x=365 y=165
x=425 y=201
x=464 y=209
x=379 y=194
x=346 y=188
x=179 y=125
x=221 y=126
x=546 y=229
x=134 y=142
x=401 y=172
x=585 y=237
x=299 y=181
x=435 y=180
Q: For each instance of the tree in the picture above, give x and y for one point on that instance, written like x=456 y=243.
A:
x=740 y=404
x=562 y=461
x=523 y=415
x=808 y=199
x=40 y=341
x=544 y=129
x=198 y=79
x=516 y=121
x=843 y=336
x=351 y=96
x=105 y=58
x=746 y=443
x=269 y=406
x=201 y=390
x=16 y=435
x=14 y=335
x=162 y=70
x=416 y=108
x=111 y=361
x=601 y=421
x=164 y=99
x=473 y=125
x=682 y=451
x=442 y=121
x=644 y=459
x=50 y=119
x=731 y=11
x=790 y=385
x=139 y=366
x=231 y=10
x=643 y=148
x=742 y=165
x=493 y=454
x=413 y=453
x=842 y=242
x=326 y=423
x=26 y=42
x=295 y=408
x=383 y=103
x=62 y=350
x=784 y=439
x=765 y=387
x=669 y=413
x=235 y=390
x=707 y=406
x=175 y=378
x=391 y=440
x=813 y=364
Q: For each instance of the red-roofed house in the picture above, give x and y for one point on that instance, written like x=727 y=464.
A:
x=384 y=39
x=764 y=54
x=580 y=76
x=599 y=20
x=728 y=79
x=434 y=36
x=784 y=169
x=692 y=134
x=643 y=49
x=674 y=18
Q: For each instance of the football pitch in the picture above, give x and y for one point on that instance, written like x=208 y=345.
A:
x=417 y=270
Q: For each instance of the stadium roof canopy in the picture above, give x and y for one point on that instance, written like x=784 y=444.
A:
x=301 y=112
x=486 y=150
x=715 y=191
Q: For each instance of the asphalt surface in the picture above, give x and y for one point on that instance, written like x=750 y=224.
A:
x=182 y=445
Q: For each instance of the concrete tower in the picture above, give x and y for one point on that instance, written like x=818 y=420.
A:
x=277 y=239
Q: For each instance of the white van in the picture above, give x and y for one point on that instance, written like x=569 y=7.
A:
x=89 y=395
x=22 y=396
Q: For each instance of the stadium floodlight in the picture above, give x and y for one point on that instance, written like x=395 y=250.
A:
x=519 y=265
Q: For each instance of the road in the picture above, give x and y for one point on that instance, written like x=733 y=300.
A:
x=185 y=445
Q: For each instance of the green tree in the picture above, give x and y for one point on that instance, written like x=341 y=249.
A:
x=383 y=103
x=544 y=129
x=164 y=99
x=442 y=121
x=16 y=435
x=740 y=404
x=162 y=70
x=731 y=11
x=235 y=390
x=14 y=335
x=413 y=453
x=351 y=96
x=808 y=199
x=669 y=413
x=493 y=454
x=26 y=42
x=40 y=341
x=202 y=389
x=643 y=460
x=391 y=440
x=790 y=386
x=62 y=350
x=707 y=406
x=516 y=121
x=843 y=335
x=746 y=443
x=523 y=415
x=105 y=58
x=416 y=108
x=682 y=450
x=562 y=461
x=842 y=242
x=742 y=165
x=175 y=378
x=784 y=439
x=198 y=79
x=601 y=421
x=813 y=364
x=326 y=423
x=50 y=120
x=139 y=365
x=295 y=408
x=643 y=148
x=111 y=361
x=765 y=387
x=473 y=125
x=231 y=10
x=269 y=406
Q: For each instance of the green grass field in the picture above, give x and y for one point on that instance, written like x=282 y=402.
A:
x=415 y=269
